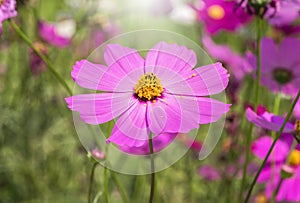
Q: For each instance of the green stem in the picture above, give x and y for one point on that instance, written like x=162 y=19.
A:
x=152 y=169
x=272 y=146
x=120 y=188
x=258 y=61
x=91 y=182
x=247 y=159
x=105 y=174
x=257 y=99
x=41 y=55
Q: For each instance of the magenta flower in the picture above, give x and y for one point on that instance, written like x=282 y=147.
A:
x=161 y=93
x=159 y=143
x=219 y=14
x=297 y=110
x=280 y=65
x=271 y=173
x=209 y=173
x=287 y=13
x=37 y=65
x=7 y=10
x=268 y=120
x=236 y=64
x=50 y=33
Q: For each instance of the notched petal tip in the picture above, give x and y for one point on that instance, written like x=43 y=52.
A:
x=76 y=68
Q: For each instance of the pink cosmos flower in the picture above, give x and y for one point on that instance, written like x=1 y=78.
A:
x=268 y=120
x=297 y=110
x=271 y=173
x=7 y=10
x=236 y=64
x=52 y=33
x=162 y=93
x=37 y=65
x=209 y=173
x=219 y=14
x=288 y=12
x=280 y=65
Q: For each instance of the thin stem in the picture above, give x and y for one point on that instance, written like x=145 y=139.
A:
x=105 y=174
x=120 y=188
x=247 y=159
x=91 y=182
x=41 y=55
x=257 y=99
x=258 y=61
x=272 y=146
x=152 y=169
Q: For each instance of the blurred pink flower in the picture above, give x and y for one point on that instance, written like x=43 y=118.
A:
x=98 y=154
x=209 y=173
x=52 y=34
x=220 y=15
x=7 y=10
x=288 y=11
x=280 y=65
x=36 y=63
x=276 y=164
x=268 y=121
x=236 y=64
x=297 y=110
x=161 y=93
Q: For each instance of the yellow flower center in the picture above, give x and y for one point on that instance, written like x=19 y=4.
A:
x=216 y=12
x=148 y=87
x=1 y=2
x=261 y=198
x=294 y=158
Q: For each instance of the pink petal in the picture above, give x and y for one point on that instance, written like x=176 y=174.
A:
x=202 y=81
x=172 y=114
x=131 y=128
x=176 y=113
x=289 y=53
x=122 y=63
x=88 y=75
x=159 y=143
x=99 y=108
x=273 y=123
x=261 y=146
x=170 y=56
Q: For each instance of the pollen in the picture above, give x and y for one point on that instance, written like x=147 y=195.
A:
x=294 y=158
x=1 y=2
x=216 y=12
x=148 y=87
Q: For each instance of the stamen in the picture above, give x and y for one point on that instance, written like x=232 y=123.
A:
x=216 y=12
x=148 y=87
x=294 y=158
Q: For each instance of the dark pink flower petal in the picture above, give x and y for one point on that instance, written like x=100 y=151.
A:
x=202 y=81
x=48 y=33
x=209 y=173
x=162 y=56
x=159 y=142
x=237 y=65
x=131 y=127
x=261 y=146
x=100 y=108
x=269 y=171
x=268 y=121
